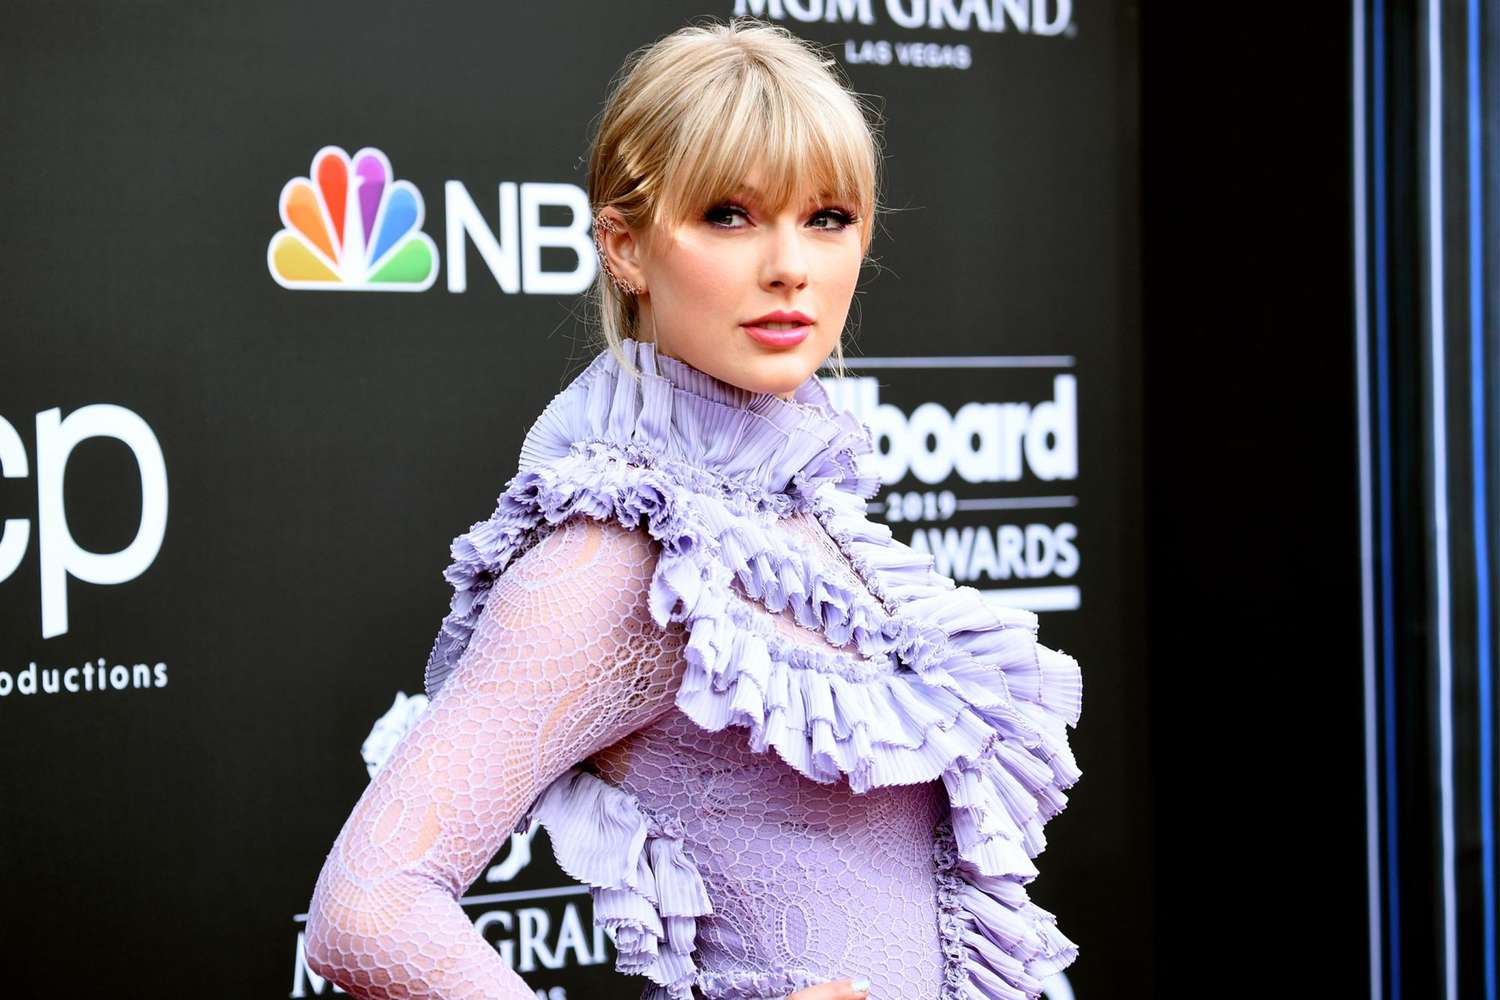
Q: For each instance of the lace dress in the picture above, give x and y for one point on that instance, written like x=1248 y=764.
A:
x=778 y=747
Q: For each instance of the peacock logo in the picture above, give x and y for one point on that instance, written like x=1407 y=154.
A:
x=350 y=226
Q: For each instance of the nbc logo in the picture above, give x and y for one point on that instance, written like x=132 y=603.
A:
x=350 y=226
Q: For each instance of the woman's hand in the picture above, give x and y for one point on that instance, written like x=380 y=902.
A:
x=840 y=989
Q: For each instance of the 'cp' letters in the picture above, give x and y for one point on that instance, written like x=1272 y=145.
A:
x=60 y=556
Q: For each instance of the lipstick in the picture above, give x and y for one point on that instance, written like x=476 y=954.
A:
x=780 y=329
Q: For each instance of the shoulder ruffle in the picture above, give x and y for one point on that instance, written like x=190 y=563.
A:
x=948 y=686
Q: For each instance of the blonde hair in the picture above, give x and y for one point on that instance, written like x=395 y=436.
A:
x=691 y=113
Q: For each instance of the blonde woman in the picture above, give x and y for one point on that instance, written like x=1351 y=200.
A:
x=788 y=758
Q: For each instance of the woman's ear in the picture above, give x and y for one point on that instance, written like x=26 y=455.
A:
x=620 y=248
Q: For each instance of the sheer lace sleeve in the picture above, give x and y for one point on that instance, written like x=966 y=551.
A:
x=565 y=661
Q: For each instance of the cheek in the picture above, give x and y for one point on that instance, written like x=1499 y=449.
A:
x=700 y=275
x=841 y=275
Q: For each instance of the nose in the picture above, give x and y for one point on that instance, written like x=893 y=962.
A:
x=785 y=263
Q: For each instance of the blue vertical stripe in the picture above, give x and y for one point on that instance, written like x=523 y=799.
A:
x=1477 y=437
x=1387 y=569
x=1360 y=170
x=1437 y=345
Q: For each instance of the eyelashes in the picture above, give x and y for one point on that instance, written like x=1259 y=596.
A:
x=719 y=215
x=843 y=218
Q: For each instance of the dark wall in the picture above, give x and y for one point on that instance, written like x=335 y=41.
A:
x=1252 y=499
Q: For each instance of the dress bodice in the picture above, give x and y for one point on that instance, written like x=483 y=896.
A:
x=810 y=882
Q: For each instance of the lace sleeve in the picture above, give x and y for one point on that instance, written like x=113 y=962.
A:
x=565 y=661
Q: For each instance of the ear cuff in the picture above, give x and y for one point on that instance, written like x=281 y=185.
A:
x=622 y=284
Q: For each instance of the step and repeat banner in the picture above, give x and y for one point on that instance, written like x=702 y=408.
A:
x=231 y=471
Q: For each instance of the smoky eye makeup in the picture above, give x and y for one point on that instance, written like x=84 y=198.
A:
x=723 y=210
x=730 y=207
x=844 y=217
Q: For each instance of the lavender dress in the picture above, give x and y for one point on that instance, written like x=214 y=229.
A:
x=777 y=745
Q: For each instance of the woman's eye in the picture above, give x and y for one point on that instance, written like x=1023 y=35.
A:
x=718 y=212
x=841 y=219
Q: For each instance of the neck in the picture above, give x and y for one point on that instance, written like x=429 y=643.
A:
x=665 y=353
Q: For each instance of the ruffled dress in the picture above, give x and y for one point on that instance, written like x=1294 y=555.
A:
x=861 y=756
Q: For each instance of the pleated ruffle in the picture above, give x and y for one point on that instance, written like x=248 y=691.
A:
x=997 y=943
x=647 y=892
x=947 y=687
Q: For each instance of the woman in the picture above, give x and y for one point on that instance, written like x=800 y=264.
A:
x=787 y=756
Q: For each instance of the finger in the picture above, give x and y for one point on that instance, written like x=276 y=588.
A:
x=840 y=989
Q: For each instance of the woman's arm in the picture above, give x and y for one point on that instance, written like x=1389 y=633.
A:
x=565 y=661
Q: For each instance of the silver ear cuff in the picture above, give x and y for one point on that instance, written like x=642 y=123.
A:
x=621 y=283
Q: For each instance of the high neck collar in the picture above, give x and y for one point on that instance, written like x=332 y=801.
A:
x=684 y=376
x=677 y=415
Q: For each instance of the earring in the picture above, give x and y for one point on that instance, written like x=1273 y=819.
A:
x=622 y=284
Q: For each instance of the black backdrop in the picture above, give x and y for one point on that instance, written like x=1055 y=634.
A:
x=320 y=449
x=1252 y=499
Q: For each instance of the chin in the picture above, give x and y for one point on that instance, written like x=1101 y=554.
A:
x=780 y=375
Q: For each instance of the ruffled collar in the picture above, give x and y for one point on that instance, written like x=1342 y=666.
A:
x=775 y=451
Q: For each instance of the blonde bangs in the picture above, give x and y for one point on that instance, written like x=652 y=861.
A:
x=754 y=117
